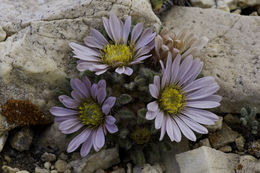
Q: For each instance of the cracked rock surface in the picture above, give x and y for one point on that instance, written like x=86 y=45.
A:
x=35 y=58
x=232 y=55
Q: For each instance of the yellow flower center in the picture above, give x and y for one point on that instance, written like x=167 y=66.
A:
x=171 y=99
x=141 y=135
x=117 y=54
x=91 y=114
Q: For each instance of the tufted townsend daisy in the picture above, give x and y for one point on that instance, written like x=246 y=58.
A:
x=183 y=43
x=181 y=98
x=87 y=111
x=121 y=51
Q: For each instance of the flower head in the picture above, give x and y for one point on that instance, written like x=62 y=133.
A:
x=183 y=43
x=180 y=98
x=119 y=53
x=88 y=111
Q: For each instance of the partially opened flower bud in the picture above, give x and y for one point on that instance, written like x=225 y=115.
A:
x=183 y=43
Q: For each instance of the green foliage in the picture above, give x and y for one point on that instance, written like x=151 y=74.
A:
x=137 y=156
x=124 y=99
x=248 y=119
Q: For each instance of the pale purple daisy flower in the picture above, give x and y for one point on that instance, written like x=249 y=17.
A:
x=99 y=55
x=88 y=111
x=181 y=98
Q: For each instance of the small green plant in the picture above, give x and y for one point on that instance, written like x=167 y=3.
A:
x=248 y=119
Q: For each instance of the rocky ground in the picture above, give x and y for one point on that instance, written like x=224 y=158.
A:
x=35 y=61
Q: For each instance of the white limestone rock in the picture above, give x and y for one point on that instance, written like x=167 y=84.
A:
x=35 y=57
x=207 y=160
x=248 y=3
x=232 y=55
x=203 y=3
x=2 y=34
x=248 y=164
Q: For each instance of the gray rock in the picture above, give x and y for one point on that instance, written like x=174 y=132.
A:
x=248 y=3
x=23 y=171
x=100 y=171
x=22 y=139
x=248 y=164
x=225 y=149
x=47 y=165
x=168 y=159
x=223 y=137
x=207 y=160
x=60 y=165
x=101 y=160
x=152 y=169
x=4 y=125
x=63 y=156
x=129 y=168
x=36 y=49
x=204 y=142
x=232 y=54
x=203 y=3
x=48 y=157
x=240 y=143
x=41 y=170
x=216 y=126
x=54 y=171
x=3 y=139
x=53 y=138
x=232 y=120
x=2 y=34
x=8 y=169
x=119 y=170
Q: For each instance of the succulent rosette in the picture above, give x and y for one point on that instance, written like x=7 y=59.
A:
x=181 y=98
x=125 y=48
x=87 y=112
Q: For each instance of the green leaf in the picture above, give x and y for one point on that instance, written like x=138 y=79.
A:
x=166 y=145
x=141 y=113
x=124 y=99
x=125 y=113
x=139 y=81
x=123 y=133
x=152 y=153
x=125 y=143
x=130 y=86
x=137 y=156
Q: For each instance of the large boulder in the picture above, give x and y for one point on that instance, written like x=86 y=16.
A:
x=232 y=55
x=35 y=57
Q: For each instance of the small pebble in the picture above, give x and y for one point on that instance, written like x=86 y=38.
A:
x=48 y=157
x=225 y=149
x=54 y=171
x=41 y=170
x=63 y=156
x=8 y=169
x=204 y=142
x=47 y=165
x=75 y=156
x=60 y=165
x=100 y=171
x=129 y=168
x=240 y=143
x=7 y=158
